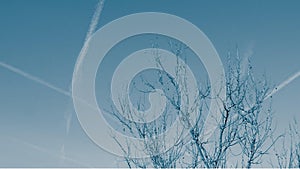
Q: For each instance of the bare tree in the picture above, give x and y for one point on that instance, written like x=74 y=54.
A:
x=256 y=130
x=245 y=125
x=152 y=146
x=288 y=156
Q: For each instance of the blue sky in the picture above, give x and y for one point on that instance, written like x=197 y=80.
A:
x=44 y=38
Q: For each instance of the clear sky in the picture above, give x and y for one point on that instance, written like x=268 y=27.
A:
x=44 y=38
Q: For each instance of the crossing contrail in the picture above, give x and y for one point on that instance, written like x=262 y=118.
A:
x=50 y=86
x=82 y=54
x=283 y=84
x=91 y=30
x=59 y=90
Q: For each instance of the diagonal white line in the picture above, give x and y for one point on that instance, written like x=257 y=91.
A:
x=95 y=19
x=38 y=80
x=35 y=79
x=82 y=54
x=91 y=30
x=42 y=82
x=283 y=84
x=64 y=92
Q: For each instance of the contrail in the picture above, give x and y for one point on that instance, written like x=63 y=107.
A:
x=283 y=84
x=59 y=90
x=36 y=79
x=49 y=85
x=44 y=83
x=68 y=118
x=82 y=54
x=95 y=19
x=92 y=28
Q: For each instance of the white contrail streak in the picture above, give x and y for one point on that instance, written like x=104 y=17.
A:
x=44 y=83
x=68 y=119
x=95 y=19
x=92 y=28
x=50 y=86
x=283 y=84
x=36 y=79
x=82 y=54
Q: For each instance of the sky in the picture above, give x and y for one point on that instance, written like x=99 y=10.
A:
x=44 y=39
